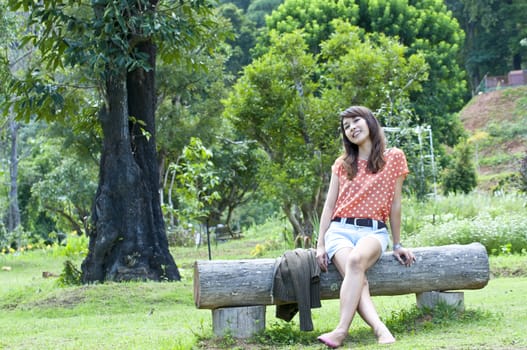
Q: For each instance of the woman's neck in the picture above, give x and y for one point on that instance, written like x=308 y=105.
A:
x=365 y=150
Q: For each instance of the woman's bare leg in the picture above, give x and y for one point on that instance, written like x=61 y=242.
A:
x=354 y=262
x=369 y=314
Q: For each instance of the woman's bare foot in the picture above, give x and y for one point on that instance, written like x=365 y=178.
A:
x=333 y=339
x=384 y=336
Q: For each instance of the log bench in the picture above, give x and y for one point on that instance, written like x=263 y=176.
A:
x=238 y=291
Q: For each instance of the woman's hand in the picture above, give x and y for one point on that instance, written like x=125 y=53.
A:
x=404 y=256
x=322 y=258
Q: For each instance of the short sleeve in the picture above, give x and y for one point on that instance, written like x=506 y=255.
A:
x=400 y=166
x=336 y=168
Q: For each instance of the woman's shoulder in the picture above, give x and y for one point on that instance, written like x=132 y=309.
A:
x=338 y=164
x=339 y=160
x=394 y=151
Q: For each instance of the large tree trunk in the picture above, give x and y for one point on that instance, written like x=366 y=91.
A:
x=128 y=239
x=142 y=105
x=13 y=218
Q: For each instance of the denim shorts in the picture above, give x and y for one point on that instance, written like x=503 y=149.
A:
x=341 y=235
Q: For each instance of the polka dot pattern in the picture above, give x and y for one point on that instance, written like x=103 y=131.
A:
x=369 y=195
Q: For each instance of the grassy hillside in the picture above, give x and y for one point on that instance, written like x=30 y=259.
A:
x=497 y=123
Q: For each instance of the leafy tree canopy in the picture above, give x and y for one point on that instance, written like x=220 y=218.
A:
x=423 y=26
x=494 y=32
x=288 y=101
x=98 y=43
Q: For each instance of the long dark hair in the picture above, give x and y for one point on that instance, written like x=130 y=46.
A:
x=351 y=151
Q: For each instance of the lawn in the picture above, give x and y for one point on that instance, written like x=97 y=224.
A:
x=38 y=314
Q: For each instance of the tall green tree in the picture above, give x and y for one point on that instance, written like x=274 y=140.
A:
x=12 y=60
x=272 y=103
x=259 y=9
x=288 y=100
x=460 y=176
x=423 y=26
x=56 y=184
x=113 y=45
x=494 y=30
x=243 y=40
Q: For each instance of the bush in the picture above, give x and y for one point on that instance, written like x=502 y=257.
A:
x=183 y=236
x=14 y=240
x=523 y=174
x=76 y=246
x=70 y=276
x=461 y=177
x=503 y=234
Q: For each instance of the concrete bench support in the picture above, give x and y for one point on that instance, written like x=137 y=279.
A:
x=432 y=299
x=238 y=322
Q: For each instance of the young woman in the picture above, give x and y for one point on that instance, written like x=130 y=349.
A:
x=364 y=193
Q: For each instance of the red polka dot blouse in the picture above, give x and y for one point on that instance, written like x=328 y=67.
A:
x=369 y=195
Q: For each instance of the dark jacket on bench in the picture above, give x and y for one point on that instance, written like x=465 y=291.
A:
x=296 y=286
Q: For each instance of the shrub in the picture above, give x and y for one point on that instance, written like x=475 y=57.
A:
x=461 y=177
x=503 y=234
x=523 y=174
x=76 y=246
x=70 y=276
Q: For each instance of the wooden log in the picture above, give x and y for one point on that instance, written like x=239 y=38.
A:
x=227 y=283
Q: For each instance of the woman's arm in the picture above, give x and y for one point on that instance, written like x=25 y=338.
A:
x=325 y=220
x=405 y=256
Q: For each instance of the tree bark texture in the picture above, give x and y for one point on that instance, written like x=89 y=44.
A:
x=223 y=283
x=128 y=239
x=13 y=217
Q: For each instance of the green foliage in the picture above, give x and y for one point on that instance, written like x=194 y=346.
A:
x=500 y=235
x=181 y=236
x=460 y=177
x=424 y=27
x=494 y=30
x=416 y=319
x=16 y=240
x=76 y=246
x=243 y=39
x=495 y=221
x=314 y=17
x=282 y=104
x=274 y=103
x=70 y=276
x=284 y=333
x=237 y=164
x=195 y=183
x=258 y=10
x=56 y=184
x=523 y=174
x=98 y=42
x=372 y=70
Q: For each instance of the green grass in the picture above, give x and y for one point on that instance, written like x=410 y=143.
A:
x=37 y=314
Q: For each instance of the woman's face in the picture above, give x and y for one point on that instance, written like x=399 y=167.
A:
x=356 y=130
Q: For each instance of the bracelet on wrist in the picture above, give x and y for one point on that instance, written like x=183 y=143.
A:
x=397 y=246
